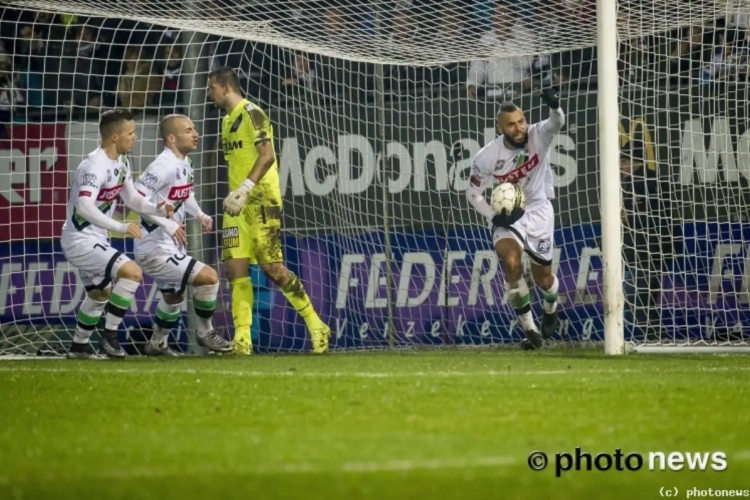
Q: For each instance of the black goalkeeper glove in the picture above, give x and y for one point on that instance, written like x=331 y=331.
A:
x=506 y=220
x=549 y=96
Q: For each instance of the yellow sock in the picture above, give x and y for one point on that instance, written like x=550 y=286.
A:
x=297 y=297
x=242 y=307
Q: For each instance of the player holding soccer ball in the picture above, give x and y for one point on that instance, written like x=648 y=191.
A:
x=161 y=252
x=100 y=179
x=520 y=156
x=253 y=208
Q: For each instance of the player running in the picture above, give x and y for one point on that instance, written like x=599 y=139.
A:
x=98 y=181
x=252 y=220
x=161 y=251
x=521 y=156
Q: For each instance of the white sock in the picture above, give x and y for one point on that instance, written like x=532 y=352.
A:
x=204 y=302
x=88 y=317
x=520 y=298
x=119 y=302
x=166 y=317
x=550 y=297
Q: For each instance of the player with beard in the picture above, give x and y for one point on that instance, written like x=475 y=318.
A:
x=520 y=155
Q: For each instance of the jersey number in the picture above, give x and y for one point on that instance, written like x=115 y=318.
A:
x=176 y=259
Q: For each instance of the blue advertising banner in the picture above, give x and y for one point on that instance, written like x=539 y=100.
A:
x=448 y=288
x=37 y=286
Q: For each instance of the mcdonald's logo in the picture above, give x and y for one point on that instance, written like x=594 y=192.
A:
x=649 y=149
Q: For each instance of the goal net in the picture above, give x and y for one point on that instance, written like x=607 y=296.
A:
x=378 y=109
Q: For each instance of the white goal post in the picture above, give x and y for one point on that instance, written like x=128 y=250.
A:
x=378 y=108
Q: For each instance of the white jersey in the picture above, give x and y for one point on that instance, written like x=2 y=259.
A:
x=169 y=179
x=101 y=179
x=528 y=167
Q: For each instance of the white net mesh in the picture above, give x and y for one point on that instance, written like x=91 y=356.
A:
x=378 y=110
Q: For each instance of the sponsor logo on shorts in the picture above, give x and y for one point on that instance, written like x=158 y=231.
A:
x=230 y=237
x=544 y=245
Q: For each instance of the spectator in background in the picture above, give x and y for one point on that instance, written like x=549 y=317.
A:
x=687 y=52
x=171 y=70
x=138 y=84
x=38 y=64
x=500 y=73
x=83 y=76
x=299 y=72
x=11 y=94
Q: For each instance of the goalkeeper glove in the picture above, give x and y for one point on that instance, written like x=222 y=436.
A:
x=549 y=96
x=504 y=219
x=236 y=200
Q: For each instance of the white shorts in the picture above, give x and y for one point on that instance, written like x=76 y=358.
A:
x=534 y=231
x=172 y=271
x=97 y=262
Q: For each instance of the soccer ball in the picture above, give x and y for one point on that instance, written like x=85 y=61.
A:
x=506 y=197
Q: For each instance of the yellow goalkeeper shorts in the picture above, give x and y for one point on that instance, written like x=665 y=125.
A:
x=255 y=235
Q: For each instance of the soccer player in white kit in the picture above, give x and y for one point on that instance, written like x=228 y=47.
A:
x=100 y=179
x=161 y=251
x=520 y=155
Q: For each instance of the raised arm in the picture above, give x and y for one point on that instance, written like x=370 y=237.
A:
x=550 y=127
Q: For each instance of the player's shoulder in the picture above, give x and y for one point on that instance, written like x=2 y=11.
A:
x=258 y=117
x=161 y=167
x=94 y=162
x=488 y=154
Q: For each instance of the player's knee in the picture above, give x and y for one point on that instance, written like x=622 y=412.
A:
x=173 y=298
x=276 y=272
x=130 y=271
x=207 y=276
x=512 y=266
x=543 y=277
x=235 y=269
x=100 y=295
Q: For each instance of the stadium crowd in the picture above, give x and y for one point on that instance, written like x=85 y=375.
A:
x=54 y=66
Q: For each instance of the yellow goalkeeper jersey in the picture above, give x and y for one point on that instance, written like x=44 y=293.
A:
x=241 y=130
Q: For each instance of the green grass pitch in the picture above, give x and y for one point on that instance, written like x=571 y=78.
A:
x=418 y=425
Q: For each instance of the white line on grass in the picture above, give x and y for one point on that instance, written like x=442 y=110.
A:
x=244 y=468
x=249 y=469
x=176 y=370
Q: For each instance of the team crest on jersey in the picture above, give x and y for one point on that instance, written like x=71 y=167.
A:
x=500 y=164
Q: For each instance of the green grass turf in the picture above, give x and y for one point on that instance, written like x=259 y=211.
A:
x=370 y=425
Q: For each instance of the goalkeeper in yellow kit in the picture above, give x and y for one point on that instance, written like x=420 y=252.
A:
x=252 y=220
